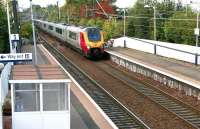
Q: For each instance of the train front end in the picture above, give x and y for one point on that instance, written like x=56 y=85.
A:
x=92 y=42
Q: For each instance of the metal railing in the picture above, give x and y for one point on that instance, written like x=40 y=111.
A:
x=196 y=55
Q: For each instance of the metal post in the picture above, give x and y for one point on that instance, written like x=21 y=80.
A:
x=197 y=40
x=197 y=36
x=34 y=41
x=124 y=22
x=186 y=7
x=68 y=12
x=9 y=32
x=154 y=9
x=58 y=11
x=16 y=23
x=124 y=43
x=155 y=51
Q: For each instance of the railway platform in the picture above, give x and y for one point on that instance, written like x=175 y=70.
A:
x=170 y=72
x=84 y=113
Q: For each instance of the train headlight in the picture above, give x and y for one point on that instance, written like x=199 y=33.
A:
x=88 y=46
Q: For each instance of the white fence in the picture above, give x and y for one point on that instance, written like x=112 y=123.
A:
x=4 y=81
x=5 y=74
x=177 y=51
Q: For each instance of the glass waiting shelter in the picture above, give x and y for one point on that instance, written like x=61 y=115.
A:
x=40 y=97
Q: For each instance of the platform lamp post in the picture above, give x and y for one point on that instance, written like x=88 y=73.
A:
x=8 y=19
x=33 y=28
x=196 y=32
x=154 y=21
x=58 y=8
x=124 y=10
x=124 y=22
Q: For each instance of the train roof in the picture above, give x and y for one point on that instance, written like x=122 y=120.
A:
x=64 y=25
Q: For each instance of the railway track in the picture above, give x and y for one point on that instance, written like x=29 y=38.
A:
x=119 y=114
x=175 y=106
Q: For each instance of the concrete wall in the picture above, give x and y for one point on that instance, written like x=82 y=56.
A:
x=163 y=79
x=185 y=53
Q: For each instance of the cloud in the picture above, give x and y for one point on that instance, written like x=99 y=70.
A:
x=125 y=3
x=43 y=3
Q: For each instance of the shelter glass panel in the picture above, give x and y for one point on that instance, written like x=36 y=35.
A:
x=55 y=97
x=26 y=97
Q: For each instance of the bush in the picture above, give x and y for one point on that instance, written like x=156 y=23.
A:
x=26 y=30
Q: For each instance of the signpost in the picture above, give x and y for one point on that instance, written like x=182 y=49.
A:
x=14 y=41
x=15 y=57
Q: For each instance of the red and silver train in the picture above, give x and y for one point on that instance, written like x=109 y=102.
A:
x=87 y=40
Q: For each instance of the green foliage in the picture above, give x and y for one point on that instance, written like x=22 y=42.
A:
x=141 y=26
x=83 y=21
x=4 y=43
x=26 y=30
x=181 y=31
x=108 y=29
x=112 y=29
x=174 y=30
x=99 y=22
x=52 y=13
x=91 y=22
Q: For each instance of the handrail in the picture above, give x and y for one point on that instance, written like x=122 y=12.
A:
x=165 y=46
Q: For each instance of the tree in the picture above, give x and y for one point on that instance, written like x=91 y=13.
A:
x=181 y=31
x=26 y=30
x=4 y=42
x=142 y=23
x=139 y=21
x=165 y=10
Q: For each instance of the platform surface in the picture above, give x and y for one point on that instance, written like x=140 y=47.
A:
x=41 y=59
x=176 y=67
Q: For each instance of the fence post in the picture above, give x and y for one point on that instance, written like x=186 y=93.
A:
x=196 y=59
x=155 y=52
x=124 y=43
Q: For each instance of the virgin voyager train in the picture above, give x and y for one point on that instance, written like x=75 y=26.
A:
x=87 y=40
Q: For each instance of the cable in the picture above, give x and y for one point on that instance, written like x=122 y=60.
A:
x=181 y=28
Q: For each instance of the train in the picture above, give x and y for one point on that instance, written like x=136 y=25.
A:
x=87 y=40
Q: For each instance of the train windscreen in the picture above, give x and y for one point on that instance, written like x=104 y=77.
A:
x=94 y=34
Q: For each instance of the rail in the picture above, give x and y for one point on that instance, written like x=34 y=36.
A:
x=118 y=113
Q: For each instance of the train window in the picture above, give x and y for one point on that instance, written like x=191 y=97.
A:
x=72 y=35
x=44 y=25
x=50 y=27
x=58 y=30
x=93 y=34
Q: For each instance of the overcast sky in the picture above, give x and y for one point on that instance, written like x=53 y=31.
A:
x=119 y=3
x=43 y=3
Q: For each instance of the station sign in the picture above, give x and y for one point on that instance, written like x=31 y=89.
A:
x=14 y=41
x=15 y=57
x=14 y=36
x=196 y=31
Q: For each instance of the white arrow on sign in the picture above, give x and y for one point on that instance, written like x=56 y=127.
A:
x=15 y=57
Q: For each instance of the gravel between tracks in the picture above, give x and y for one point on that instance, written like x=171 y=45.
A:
x=152 y=114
